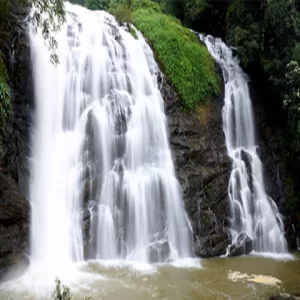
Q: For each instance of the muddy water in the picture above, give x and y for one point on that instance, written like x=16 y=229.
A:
x=251 y=277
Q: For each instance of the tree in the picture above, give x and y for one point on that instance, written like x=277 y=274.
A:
x=48 y=16
x=44 y=15
x=97 y=4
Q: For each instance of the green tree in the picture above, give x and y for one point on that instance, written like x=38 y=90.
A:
x=97 y=4
x=44 y=15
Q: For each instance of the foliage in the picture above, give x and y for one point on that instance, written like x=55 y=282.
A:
x=243 y=30
x=79 y=2
x=292 y=102
x=186 y=62
x=45 y=15
x=121 y=10
x=187 y=11
x=62 y=292
x=5 y=97
x=4 y=9
x=267 y=34
x=48 y=16
x=97 y=4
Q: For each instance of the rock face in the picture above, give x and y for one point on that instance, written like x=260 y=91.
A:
x=16 y=50
x=14 y=224
x=14 y=207
x=203 y=167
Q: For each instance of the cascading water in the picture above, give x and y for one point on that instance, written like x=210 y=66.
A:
x=103 y=183
x=252 y=210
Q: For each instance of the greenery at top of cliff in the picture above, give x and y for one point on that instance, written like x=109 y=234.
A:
x=186 y=62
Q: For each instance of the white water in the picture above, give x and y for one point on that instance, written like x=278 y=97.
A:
x=103 y=183
x=252 y=210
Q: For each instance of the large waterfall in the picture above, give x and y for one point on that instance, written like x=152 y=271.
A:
x=252 y=210
x=103 y=184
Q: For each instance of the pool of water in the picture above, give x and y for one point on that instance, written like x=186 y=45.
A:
x=248 y=277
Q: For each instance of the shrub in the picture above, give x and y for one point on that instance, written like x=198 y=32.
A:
x=121 y=10
x=62 y=292
x=97 y=4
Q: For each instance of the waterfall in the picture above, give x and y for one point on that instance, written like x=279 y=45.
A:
x=103 y=184
x=252 y=210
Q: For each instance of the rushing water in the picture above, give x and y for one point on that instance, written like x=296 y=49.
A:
x=247 y=278
x=252 y=210
x=103 y=183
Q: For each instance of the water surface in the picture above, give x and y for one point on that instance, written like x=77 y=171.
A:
x=217 y=278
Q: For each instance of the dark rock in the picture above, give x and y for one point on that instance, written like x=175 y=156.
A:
x=203 y=167
x=13 y=205
x=159 y=252
x=213 y=245
x=243 y=245
x=14 y=166
x=8 y=238
x=14 y=225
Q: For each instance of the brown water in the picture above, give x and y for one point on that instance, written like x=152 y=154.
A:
x=249 y=277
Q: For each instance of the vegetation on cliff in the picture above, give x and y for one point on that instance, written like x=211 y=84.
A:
x=187 y=64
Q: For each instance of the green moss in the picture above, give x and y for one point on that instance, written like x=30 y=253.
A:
x=186 y=62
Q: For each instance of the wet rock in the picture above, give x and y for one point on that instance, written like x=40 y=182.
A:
x=159 y=252
x=203 y=168
x=243 y=245
x=214 y=245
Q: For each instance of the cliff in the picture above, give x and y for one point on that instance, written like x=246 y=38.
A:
x=203 y=169
x=14 y=206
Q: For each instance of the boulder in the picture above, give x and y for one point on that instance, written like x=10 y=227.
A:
x=243 y=245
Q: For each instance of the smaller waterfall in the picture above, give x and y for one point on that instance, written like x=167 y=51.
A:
x=252 y=210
